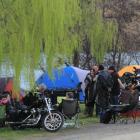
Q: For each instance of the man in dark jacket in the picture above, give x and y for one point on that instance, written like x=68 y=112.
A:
x=103 y=89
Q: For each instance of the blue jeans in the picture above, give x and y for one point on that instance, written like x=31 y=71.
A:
x=102 y=113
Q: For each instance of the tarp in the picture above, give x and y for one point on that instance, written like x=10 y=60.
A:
x=6 y=84
x=128 y=69
x=65 y=78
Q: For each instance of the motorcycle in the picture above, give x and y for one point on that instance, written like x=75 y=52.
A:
x=39 y=114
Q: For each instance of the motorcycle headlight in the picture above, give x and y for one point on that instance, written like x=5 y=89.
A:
x=33 y=111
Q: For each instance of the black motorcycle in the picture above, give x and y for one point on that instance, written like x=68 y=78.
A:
x=38 y=113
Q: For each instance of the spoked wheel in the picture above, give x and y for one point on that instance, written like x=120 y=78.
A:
x=53 y=122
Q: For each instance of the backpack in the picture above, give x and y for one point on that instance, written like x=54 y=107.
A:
x=106 y=116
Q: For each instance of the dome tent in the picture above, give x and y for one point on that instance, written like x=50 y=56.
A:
x=64 y=79
x=128 y=69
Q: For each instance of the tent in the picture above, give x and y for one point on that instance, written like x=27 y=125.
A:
x=64 y=79
x=128 y=69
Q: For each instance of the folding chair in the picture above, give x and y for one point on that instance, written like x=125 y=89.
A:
x=116 y=111
x=70 y=111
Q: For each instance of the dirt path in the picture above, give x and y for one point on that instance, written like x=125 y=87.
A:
x=94 y=131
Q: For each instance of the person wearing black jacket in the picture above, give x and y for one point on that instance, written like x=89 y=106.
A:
x=116 y=86
x=103 y=89
x=89 y=87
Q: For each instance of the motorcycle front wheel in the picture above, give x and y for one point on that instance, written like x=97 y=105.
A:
x=53 y=122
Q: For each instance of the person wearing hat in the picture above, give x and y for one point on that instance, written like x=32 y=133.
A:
x=116 y=86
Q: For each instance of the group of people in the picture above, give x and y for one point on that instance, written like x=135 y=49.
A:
x=102 y=87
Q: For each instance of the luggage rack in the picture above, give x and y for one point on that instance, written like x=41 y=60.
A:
x=119 y=105
x=60 y=92
x=54 y=93
x=63 y=91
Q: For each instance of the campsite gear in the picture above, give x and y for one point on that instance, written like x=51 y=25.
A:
x=128 y=69
x=132 y=78
x=6 y=84
x=106 y=116
x=54 y=93
x=128 y=103
x=64 y=79
x=39 y=114
x=70 y=110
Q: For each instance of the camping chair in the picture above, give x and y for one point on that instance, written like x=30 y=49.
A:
x=117 y=112
x=125 y=110
x=70 y=111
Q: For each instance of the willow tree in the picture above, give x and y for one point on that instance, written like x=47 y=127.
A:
x=96 y=32
x=101 y=36
x=28 y=27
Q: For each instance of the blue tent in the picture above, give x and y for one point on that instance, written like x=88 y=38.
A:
x=64 y=79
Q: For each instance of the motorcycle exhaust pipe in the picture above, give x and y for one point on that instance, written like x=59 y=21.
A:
x=13 y=123
x=18 y=122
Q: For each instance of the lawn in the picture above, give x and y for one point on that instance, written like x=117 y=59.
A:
x=9 y=134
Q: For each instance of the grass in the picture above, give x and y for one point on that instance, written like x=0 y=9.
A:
x=86 y=120
x=9 y=134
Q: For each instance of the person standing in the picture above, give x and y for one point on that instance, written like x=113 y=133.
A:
x=96 y=69
x=89 y=87
x=103 y=89
x=116 y=86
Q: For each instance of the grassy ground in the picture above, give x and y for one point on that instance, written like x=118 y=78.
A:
x=9 y=134
x=86 y=120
